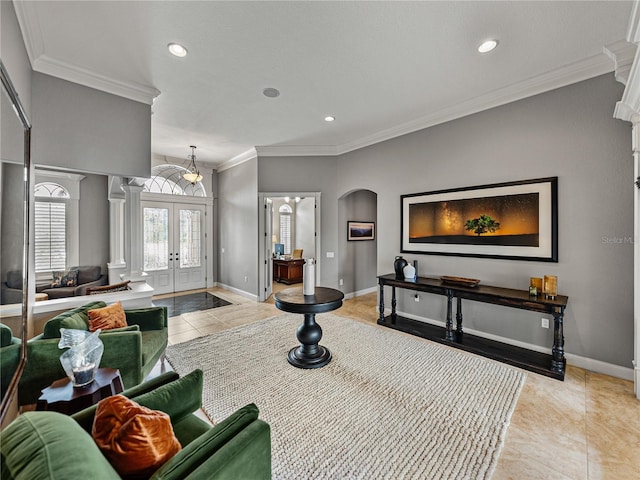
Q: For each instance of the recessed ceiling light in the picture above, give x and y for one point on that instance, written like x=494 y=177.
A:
x=271 y=92
x=177 y=49
x=329 y=118
x=487 y=46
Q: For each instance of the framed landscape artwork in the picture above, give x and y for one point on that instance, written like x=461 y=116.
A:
x=361 y=230
x=515 y=220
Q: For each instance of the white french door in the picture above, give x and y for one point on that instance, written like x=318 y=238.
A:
x=174 y=246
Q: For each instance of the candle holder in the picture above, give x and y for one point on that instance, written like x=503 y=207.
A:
x=550 y=286
x=535 y=286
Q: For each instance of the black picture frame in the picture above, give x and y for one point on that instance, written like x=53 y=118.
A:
x=360 y=231
x=460 y=221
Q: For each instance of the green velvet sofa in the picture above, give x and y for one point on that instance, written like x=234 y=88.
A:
x=9 y=356
x=52 y=446
x=134 y=350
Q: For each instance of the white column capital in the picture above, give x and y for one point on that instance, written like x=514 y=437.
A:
x=132 y=189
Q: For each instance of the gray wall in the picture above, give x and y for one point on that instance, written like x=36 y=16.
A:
x=309 y=174
x=11 y=225
x=14 y=55
x=82 y=129
x=569 y=133
x=15 y=59
x=305 y=227
x=238 y=226
x=94 y=221
x=358 y=259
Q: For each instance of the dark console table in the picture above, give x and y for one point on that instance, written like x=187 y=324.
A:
x=550 y=365
x=288 y=271
x=309 y=354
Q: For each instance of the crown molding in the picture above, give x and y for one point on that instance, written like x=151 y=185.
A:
x=72 y=73
x=628 y=108
x=27 y=15
x=238 y=159
x=298 y=150
x=572 y=73
x=29 y=22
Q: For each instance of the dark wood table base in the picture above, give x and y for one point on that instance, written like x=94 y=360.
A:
x=63 y=397
x=310 y=354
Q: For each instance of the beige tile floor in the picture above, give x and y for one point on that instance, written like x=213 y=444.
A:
x=587 y=427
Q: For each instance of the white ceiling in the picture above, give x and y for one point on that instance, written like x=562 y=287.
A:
x=381 y=68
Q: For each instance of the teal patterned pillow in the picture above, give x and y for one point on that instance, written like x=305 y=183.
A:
x=67 y=278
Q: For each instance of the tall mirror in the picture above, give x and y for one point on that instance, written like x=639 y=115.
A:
x=15 y=174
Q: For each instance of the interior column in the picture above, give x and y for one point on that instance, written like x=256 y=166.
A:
x=133 y=247
x=116 y=265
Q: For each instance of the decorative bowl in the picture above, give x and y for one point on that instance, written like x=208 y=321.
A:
x=460 y=281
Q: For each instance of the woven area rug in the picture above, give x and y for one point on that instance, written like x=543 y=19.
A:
x=388 y=406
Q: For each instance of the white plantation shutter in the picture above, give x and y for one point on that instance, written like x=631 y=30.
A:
x=50 y=226
x=50 y=236
x=285 y=232
x=285 y=227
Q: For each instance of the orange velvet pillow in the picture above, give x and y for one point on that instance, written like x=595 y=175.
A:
x=106 y=318
x=135 y=439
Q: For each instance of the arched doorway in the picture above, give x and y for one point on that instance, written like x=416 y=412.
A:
x=358 y=258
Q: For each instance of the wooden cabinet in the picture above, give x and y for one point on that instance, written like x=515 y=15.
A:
x=288 y=271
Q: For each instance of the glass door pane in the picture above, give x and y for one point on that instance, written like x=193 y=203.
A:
x=190 y=238
x=156 y=238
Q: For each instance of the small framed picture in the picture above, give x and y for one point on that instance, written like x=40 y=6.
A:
x=361 y=231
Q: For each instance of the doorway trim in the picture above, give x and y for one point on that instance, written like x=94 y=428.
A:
x=264 y=243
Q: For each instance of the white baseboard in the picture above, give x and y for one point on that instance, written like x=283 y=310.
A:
x=359 y=293
x=248 y=295
x=590 y=364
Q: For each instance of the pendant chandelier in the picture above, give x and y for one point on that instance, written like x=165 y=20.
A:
x=193 y=174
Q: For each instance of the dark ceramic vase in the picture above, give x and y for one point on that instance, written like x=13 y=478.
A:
x=398 y=265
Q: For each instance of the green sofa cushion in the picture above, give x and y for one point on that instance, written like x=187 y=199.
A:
x=151 y=318
x=154 y=342
x=187 y=388
x=6 y=335
x=77 y=321
x=52 y=327
x=193 y=455
x=51 y=446
x=128 y=328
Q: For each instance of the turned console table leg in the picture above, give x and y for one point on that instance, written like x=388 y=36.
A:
x=393 y=304
x=459 y=318
x=381 y=304
x=448 y=334
x=557 y=352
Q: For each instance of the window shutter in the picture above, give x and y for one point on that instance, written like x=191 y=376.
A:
x=285 y=232
x=50 y=236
